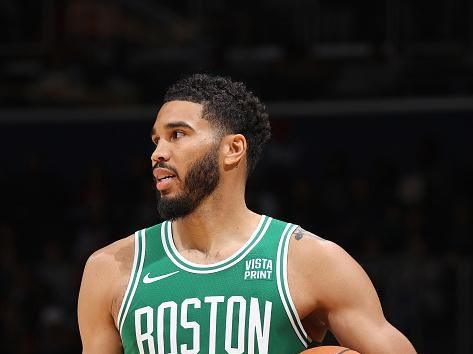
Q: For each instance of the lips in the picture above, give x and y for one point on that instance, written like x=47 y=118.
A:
x=163 y=177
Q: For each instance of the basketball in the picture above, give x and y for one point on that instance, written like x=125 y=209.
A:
x=329 y=350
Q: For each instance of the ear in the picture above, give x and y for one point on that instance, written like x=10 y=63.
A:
x=234 y=149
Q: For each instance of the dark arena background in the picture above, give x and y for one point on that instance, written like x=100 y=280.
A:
x=371 y=105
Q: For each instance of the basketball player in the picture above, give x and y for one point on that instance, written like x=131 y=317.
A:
x=217 y=277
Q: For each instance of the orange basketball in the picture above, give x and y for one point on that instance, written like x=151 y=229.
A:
x=329 y=349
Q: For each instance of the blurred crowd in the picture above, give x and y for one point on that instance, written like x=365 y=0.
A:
x=404 y=210
x=116 y=52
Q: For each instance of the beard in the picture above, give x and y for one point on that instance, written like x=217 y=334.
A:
x=201 y=180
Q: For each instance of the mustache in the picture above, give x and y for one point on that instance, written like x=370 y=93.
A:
x=166 y=166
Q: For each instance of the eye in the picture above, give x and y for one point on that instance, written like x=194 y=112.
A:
x=155 y=140
x=176 y=134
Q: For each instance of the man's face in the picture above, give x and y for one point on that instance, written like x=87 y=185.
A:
x=185 y=160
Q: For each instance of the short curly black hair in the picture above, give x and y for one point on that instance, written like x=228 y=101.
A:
x=230 y=106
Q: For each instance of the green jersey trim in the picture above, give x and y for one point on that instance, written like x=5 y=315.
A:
x=130 y=280
x=181 y=262
x=139 y=257
x=283 y=287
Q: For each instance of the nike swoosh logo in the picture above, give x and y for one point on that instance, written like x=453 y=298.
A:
x=147 y=279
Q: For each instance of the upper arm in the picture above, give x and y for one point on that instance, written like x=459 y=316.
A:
x=353 y=310
x=346 y=301
x=97 y=328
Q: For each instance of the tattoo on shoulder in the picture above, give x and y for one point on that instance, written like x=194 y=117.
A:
x=300 y=232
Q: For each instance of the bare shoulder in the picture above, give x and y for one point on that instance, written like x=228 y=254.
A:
x=318 y=269
x=312 y=253
x=106 y=274
x=330 y=289
x=118 y=255
x=299 y=233
x=307 y=247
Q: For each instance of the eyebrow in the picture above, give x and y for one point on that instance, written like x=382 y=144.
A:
x=173 y=125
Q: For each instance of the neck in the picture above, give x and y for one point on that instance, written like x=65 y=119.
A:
x=220 y=222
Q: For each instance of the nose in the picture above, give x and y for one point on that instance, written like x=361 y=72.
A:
x=160 y=153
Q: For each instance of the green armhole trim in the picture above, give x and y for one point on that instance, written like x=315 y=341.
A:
x=138 y=260
x=283 y=287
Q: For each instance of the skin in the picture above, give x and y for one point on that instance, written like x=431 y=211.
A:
x=329 y=288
